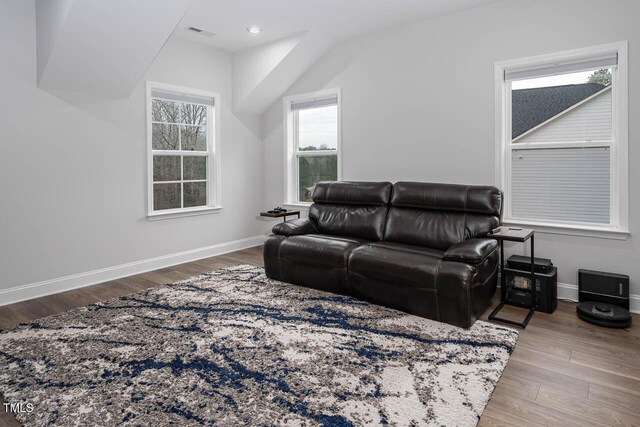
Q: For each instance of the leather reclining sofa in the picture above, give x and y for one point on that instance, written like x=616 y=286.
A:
x=415 y=247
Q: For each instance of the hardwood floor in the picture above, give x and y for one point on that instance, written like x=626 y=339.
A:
x=564 y=372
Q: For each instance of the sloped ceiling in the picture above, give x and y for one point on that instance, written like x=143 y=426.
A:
x=336 y=19
x=104 y=47
x=295 y=35
x=264 y=73
x=101 y=46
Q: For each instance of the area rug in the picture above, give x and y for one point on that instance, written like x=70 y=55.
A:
x=233 y=348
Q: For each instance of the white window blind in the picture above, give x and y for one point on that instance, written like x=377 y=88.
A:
x=561 y=184
x=314 y=103
x=181 y=97
x=562 y=67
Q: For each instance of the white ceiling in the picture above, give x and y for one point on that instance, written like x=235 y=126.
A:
x=338 y=19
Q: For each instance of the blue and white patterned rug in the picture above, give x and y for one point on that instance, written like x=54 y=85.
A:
x=233 y=348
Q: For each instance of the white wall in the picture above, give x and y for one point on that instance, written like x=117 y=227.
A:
x=418 y=104
x=73 y=185
x=50 y=16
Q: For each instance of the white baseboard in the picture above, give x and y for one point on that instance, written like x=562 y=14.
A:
x=67 y=283
x=570 y=292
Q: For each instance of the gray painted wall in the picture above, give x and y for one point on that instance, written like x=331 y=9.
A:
x=73 y=185
x=418 y=104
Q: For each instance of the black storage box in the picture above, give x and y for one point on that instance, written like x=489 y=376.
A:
x=520 y=262
x=518 y=284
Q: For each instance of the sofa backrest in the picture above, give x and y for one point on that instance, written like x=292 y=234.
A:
x=441 y=215
x=354 y=209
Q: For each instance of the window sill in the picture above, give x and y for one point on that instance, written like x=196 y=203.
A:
x=572 y=230
x=179 y=213
x=297 y=205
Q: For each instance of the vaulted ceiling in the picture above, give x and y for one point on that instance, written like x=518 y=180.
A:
x=104 y=47
x=101 y=46
x=334 y=19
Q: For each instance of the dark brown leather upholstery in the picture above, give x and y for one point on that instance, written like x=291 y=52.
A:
x=365 y=222
x=317 y=260
x=324 y=251
x=350 y=193
x=394 y=262
x=295 y=227
x=351 y=209
x=416 y=247
x=473 y=251
x=480 y=199
x=441 y=215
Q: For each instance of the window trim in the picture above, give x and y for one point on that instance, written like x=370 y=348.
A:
x=213 y=165
x=619 y=228
x=290 y=153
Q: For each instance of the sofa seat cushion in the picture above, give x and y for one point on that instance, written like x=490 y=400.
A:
x=319 y=250
x=397 y=263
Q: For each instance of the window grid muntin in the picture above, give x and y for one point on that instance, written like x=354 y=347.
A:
x=302 y=153
x=182 y=153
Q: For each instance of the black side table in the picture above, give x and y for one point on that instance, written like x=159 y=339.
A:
x=514 y=235
x=282 y=215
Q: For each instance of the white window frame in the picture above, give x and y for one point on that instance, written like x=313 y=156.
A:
x=212 y=153
x=291 y=144
x=619 y=212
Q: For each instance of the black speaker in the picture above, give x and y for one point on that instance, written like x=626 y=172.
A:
x=519 y=284
x=598 y=286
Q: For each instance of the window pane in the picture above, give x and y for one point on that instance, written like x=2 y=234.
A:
x=194 y=114
x=565 y=184
x=318 y=128
x=195 y=194
x=194 y=167
x=166 y=168
x=166 y=196
x=194 y=138
x=561 y=108
x=164 y=137
x=311 y=170
x=165 y=111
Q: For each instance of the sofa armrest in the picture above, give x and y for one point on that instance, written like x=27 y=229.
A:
x=472 y=251
x=296 y=227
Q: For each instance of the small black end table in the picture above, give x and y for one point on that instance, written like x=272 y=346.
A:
x=282 y=215
x=514 y=234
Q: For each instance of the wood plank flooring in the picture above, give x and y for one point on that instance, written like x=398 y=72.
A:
x=564 y=372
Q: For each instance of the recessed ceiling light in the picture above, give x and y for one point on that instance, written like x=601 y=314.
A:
x=254 y=29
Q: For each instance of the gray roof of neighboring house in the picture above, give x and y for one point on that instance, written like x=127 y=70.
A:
x=530 y=107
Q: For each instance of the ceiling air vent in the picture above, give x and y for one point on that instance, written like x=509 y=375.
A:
x=200 y=31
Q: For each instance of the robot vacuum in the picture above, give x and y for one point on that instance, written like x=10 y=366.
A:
x=603 y=314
